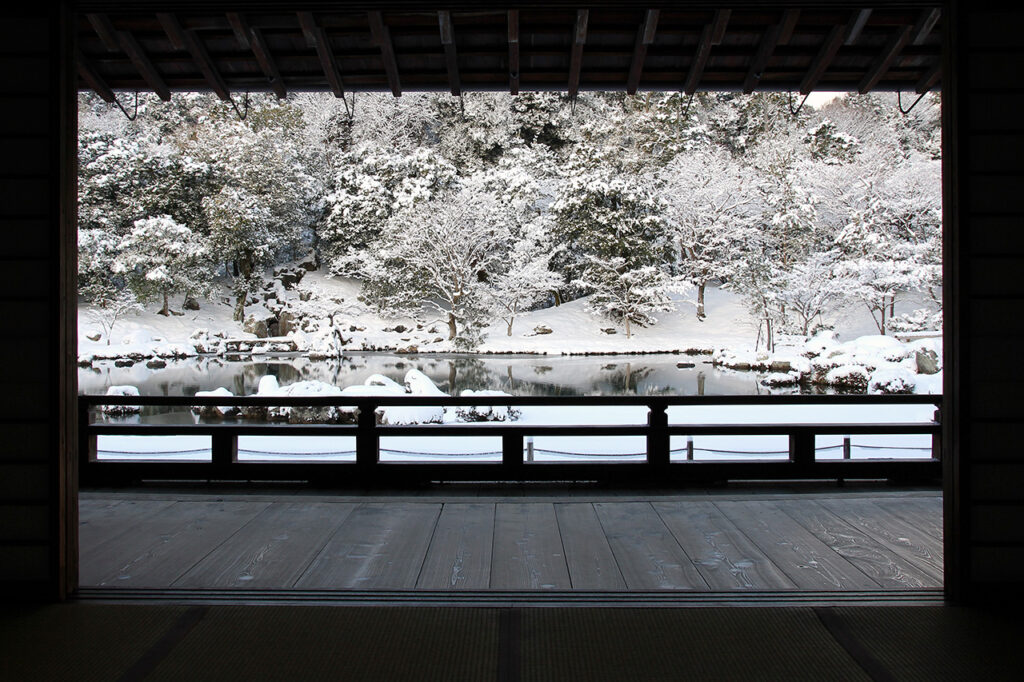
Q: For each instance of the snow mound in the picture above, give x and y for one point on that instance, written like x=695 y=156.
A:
x=848 y=377
x=216 y=411
x=893 y=379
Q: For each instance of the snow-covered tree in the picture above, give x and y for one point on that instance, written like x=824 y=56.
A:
x=627 y=295
x=524 y=281
x=441 y=254
x=240 y=235
x=809 y=290
x=111 y=306
x=708 y=199
x=160 y=257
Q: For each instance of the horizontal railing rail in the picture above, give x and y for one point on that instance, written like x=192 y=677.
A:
x=516 y=451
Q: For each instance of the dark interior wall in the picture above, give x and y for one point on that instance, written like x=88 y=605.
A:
x=35 y=557
x=985 y=292
x=989 y=256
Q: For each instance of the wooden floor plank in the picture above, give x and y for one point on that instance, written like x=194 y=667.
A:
x=647 y=554
x=808 y=562
x=272 y=551
x=725 y=557
x=922 y=513
x=882 y=565
x=99 y=524
x=380 y=546
x=904 y=538
x=157 y=550
x=528 y=552
x=588 y=555
x=459 y=556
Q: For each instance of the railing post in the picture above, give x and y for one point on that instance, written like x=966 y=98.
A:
x=224 y=450
x=367 y=440
x=801 y=448
x=658 y=454
x=689 y=448
x=937 y=436
x=512 y=451
x=846 y=447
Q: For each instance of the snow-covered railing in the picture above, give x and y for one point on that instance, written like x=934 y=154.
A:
x=668 y=452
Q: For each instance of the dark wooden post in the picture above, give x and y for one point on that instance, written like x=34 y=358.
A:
x=367 y=440
x=224 y=447
x=801 y=448
x=689 y=448
x=658 y=455
x=846 y=447
x=512 y=451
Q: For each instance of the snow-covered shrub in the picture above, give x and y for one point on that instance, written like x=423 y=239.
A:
x=486 y=413
x=780 y=379
x=921 y=319
x=216 y=411
x=893 y=380
x=118 y=410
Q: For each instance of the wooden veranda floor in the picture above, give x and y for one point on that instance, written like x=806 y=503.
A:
x=831 y=540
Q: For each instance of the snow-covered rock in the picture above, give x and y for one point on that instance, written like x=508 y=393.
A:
x=117 y=410
x=781 y=379
x=486 y=413
x=848 y=377
x=216 y=411
x=892 y=379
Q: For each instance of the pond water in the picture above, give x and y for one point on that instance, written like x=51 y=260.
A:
x=526 y=375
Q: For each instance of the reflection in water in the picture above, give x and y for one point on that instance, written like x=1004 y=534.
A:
x=527 y=375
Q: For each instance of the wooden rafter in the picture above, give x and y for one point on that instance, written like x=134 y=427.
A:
x=143 y=65
x=513 y=51
x=923 y=26
x=451 y=58
x=188 y=40
x=884 y=60
x=316 y=37
x=382 y=37
x=172 y=27
x=105 y=30
x=89 y=74
x=824 y=58
x=579 y=38
x=251 y=38
x=930 y=79
x=712 y=35
x=769 y=40
x=857 y=21
x=644 y=37
x=788 y=26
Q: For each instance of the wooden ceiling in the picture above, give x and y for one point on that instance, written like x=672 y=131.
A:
x=403 y=48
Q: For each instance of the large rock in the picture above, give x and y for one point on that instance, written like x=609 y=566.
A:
x=286 y=322
x=258 y=326
x=190 y=304
x=927 y=362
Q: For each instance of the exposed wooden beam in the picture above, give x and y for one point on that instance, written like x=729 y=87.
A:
x=712 y=34
x=930 y=78
x=579 y=39
x=644 y=37
x=513 y=51
x=93 y=79
x=789 y=21
x=451 y=58
x=251 y=38
x=923 y=26
x=824 y=58
x=316 y=37
x=190 y=42
x=382 y=38
x=105 y=30
x=884 y=60
x=143 y=65
x=769 y=40
x=857 y=22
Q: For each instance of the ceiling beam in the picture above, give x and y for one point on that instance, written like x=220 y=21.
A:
x=316 y=37
x=930 y=78
x=712 y=34
x=251 y=38
x=857 y=22
x=143 y=65
x=93 y=79
x=382 y=38
x=884 y=60
x=190 y=42
x=789 y=20
x=769 y=40
x=644 y=37
x=578 y=40
x=451 y=57
x=513 y=51
x=923 y=26
x=824 y=58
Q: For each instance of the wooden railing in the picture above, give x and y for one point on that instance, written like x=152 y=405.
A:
x=367 y=469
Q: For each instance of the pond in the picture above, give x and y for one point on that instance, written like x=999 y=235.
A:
x=526 y=375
